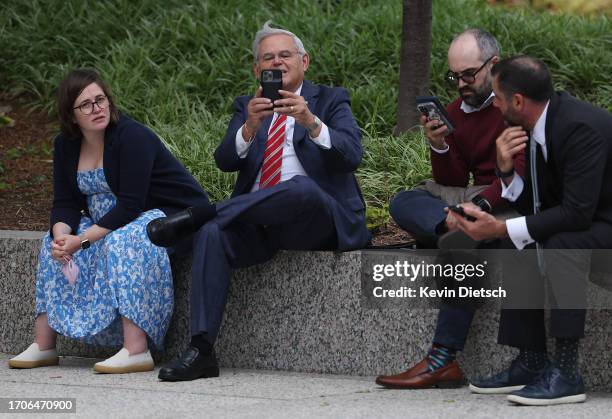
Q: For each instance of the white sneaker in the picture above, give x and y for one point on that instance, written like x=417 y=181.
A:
x=34 y=357
x=122 y=362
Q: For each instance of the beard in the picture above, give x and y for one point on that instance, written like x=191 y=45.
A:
x=512 y=120
x=475 y=97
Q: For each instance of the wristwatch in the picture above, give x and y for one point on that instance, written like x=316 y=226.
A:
x=316 y=124
x=501 y=174
x=84 y=242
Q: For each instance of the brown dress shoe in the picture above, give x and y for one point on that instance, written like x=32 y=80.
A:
x=419 y=376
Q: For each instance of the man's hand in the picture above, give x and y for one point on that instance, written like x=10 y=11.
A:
x=511 y=142
x=258 y=109
x=486 y=226
x=435 y=132
x=64 y=245
x=451 y=217
x=295 y=106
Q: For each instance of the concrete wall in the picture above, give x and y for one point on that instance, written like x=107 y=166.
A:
x=302 y=311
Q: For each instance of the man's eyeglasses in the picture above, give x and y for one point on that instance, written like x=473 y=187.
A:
x=468 y=76
x=87 y=108
x=283 y=56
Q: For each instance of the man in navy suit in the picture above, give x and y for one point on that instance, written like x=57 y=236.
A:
x=296 y=189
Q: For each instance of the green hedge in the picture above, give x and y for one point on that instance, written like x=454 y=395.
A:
x=177 y=65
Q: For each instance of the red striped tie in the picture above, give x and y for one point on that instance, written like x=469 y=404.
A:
x=273 y=156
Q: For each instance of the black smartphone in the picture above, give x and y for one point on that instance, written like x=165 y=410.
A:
x=459 y=210
x=431 y=107
x=271 y=82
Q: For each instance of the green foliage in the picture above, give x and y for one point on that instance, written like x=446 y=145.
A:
x=177 y=65
x=15 y=153
x=376 y=216
x=5 y=121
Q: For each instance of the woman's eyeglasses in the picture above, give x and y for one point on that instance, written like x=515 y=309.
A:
x=87 y=108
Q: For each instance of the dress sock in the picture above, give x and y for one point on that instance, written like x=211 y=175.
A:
x=440 y=356
x=566 y=357
x=533 y=360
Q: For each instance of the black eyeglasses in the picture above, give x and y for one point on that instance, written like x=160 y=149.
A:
x=87 y=108
x=468 y=76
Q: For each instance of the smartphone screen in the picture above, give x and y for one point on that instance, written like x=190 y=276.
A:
x=431 y=107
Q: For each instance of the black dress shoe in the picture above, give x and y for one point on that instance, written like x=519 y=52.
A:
x=191 y=365
x=167 y=231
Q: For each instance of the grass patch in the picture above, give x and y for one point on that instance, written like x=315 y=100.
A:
x=177 y=65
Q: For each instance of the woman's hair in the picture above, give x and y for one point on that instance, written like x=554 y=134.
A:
x=69 y=89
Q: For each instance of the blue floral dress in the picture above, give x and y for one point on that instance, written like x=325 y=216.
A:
x=123 y=274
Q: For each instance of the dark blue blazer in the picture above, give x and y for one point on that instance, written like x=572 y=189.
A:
x=333 y=170
x=139 y=169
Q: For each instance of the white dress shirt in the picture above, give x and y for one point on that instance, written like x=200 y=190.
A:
x=467 y=109
x=517 y=227
x=290 y=165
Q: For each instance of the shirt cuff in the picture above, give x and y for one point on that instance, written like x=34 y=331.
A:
x=517 y=230
x=242 y=147
x=323 y=140
x=514 y=190
x=444 y=150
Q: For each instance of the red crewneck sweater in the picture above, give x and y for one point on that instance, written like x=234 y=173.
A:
x=472 y=150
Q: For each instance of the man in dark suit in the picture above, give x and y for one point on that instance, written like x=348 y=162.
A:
x=296 y=189
x=567 y=203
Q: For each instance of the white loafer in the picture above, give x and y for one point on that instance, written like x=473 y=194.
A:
x=122 y=362
x=34 y=358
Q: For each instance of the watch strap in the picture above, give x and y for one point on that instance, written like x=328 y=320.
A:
x=316 y=124
x=501 y=174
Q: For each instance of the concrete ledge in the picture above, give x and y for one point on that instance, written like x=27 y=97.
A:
x=300 y=312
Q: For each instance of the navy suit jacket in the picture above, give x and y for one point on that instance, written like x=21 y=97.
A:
x=575 y=182
x=332 y=170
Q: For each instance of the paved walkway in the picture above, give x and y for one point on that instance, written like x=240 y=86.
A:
x=256 y=394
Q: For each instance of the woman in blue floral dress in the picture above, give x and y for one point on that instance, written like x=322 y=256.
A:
x=99 y=277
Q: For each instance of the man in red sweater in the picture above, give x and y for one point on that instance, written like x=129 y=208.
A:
x=469 y=152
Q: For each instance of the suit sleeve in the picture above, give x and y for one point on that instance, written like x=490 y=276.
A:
x=346 y=151
x=137 y=149
x=226 y=156
x=583 y=159
x=65 y=209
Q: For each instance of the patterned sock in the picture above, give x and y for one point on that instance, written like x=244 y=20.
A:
x=440 y=356
x=201 y=342
x=534 y=360
x=203 y=213
x=566 y=357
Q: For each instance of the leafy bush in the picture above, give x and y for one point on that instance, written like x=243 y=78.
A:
x=176 y=65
